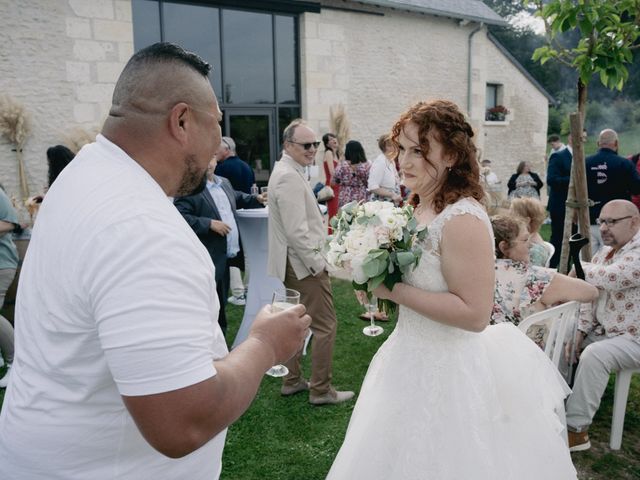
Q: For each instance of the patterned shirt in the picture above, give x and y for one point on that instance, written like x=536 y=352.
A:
x=519 y=287
x=617 y=276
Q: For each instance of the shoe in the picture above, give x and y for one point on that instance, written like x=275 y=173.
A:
x=301 y=386
x=377 y=316
x=4 y=381
x=579 y=441
x=331 y=398
x=239 y=300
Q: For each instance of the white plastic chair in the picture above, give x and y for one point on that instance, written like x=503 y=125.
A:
x=620 y=395
x=552 y=250
x=561 y=323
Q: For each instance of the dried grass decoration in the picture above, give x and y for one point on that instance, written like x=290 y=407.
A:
x=339 y=124
x=15 y=126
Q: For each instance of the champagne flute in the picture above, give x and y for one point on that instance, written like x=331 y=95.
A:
x=372 y=330
x=282 y=300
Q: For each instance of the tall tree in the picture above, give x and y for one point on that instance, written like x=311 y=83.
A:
x=609 y=31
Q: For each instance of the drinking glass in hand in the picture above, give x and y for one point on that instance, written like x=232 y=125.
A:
x=372 y=330
x=282 y=299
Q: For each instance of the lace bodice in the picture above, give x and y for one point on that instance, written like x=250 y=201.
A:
x=428 y=274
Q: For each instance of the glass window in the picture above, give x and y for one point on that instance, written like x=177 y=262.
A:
x=286 y=59
x=197 y=29
x=492 y=95
x=247 y=51
x=285 y=117
x=146 y=18
x=251 y=133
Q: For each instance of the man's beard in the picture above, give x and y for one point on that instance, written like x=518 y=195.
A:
x=193 y=181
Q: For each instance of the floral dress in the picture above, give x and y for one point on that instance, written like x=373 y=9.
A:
x=525 y=186
x=519 y=287
x=353 y=182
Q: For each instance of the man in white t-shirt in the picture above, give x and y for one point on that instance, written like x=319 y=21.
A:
x=121 y=370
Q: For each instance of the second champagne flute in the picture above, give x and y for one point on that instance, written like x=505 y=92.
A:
x=282 y=299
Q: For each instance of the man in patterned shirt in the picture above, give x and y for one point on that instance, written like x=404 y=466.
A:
x=614 y=327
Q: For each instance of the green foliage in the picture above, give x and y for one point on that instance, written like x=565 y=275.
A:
x=608 y=31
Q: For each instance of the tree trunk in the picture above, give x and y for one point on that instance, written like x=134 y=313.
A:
x=580 y=183
x=577 y=206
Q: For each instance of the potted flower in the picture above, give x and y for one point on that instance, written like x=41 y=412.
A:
x=497 y=113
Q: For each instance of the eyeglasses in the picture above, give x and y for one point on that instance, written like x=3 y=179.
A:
x=306 y=146
x=610 y=222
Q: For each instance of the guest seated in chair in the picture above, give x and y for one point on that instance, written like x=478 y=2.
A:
x=533 y=213
x=522 y=288
x=613 y=331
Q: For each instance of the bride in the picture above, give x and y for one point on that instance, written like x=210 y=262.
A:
x=447 y=397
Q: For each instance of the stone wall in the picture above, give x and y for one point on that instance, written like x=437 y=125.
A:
x=60 y=59
x=523 y=136
x=378 y=65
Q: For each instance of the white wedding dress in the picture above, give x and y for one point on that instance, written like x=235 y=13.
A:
x=441 y=403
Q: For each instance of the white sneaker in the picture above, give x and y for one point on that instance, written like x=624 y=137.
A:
x=4 y=381
x=239 y=300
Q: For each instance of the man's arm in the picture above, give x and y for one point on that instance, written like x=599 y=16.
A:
x=244 y=200
x=189 y=211
x=6 y=227
x=179 y=422
x=619 y=275
x=557 y=177
x=295 y=222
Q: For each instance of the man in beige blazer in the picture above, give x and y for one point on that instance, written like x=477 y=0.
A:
x=296 y=237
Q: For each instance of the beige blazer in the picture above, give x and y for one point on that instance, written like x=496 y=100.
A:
x=296 y=230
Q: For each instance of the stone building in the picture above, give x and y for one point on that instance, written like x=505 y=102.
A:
x=273 y=60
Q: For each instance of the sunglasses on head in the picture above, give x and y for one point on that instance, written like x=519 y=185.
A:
x=306 y=146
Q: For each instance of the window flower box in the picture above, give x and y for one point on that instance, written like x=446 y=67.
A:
x=497 y=114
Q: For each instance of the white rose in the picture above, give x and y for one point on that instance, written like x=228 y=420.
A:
x=357 y=273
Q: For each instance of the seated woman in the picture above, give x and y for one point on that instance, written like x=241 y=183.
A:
x=533 y=213
x=522 y=288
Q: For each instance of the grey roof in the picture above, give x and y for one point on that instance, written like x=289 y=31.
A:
x=472 y=10
x=519 y=66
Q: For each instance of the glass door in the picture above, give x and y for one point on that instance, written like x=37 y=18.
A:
x=253 y=130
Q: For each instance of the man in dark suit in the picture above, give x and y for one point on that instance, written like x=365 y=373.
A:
x=609 y=177
x=212 y=216
x=231 y=167
x=558 y=175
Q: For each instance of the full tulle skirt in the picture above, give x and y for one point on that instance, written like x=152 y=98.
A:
x=450 y=404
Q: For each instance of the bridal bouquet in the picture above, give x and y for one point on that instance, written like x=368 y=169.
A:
x=376 y=242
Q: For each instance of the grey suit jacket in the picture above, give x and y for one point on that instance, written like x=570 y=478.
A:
x=296 y=230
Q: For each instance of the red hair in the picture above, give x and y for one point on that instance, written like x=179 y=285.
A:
x=448 y=126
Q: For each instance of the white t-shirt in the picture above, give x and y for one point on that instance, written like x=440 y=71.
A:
x=117 y=297
x=383 y=174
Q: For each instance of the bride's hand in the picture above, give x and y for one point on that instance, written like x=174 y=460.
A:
x=382 y=292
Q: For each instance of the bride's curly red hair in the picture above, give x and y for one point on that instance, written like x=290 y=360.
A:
x=447 y=124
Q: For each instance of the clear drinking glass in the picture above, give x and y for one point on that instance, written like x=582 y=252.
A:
x=265 y=193
x=372 y=330
x=282 y=299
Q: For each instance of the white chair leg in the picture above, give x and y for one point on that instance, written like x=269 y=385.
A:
x=620 y=395
x=306 y=342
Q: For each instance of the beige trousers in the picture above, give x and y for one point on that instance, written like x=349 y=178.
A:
x=315 y=294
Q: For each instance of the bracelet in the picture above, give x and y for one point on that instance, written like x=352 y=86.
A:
x=17 y=229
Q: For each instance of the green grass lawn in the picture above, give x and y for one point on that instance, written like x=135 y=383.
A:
x=288 y=439
x=282 y=438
